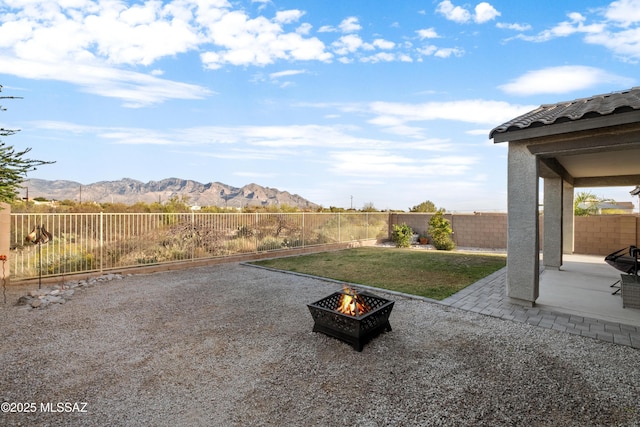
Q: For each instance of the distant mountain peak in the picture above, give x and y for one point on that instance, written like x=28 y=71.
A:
x=130 y=191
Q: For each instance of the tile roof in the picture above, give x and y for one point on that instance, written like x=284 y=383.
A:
x=584 y=108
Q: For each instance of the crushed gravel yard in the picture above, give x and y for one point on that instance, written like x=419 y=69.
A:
x=232 y=345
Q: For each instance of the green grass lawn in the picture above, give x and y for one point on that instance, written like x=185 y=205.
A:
x=432 y=274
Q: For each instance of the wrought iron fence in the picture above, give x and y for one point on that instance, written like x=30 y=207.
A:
x=90 y=242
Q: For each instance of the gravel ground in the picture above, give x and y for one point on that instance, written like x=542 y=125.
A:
x=231 y=345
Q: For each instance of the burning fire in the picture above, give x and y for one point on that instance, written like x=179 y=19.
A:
x=351 y=303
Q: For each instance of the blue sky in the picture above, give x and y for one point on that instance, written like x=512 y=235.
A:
x=344 y=103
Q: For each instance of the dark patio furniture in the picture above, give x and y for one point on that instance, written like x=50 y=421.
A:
x=628 y=264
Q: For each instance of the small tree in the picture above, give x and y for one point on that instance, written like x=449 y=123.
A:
x=13 y=165
x=369 y=207
x=426 y=206
x=440 y=231
x=401 y=235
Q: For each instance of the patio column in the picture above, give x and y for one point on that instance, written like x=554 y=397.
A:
x=553 y=222
x=568 y=218
x=522 y=226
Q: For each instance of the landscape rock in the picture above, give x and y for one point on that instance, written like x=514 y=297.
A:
x=230 y=345
x=60 y=294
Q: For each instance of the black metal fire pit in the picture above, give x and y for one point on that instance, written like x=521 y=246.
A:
x=357 y=329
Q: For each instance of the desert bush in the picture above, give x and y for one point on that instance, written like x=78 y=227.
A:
x=269 y=244
x=239 y=246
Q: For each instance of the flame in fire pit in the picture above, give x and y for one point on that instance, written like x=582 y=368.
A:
x=351 y=303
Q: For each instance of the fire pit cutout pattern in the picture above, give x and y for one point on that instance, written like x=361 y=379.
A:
x=354 y=318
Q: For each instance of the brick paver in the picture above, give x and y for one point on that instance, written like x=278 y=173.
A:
x=488 y=296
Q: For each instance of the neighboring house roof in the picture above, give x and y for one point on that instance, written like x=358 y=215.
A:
x=617 y=205
x=594 y=106
x=607 y=205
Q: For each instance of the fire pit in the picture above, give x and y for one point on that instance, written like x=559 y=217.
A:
x=352 y=317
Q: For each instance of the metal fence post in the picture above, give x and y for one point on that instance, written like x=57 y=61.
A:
x=101 y=241
x=367 y=228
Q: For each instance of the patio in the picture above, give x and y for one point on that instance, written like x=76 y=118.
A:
x=588 y=142
x=576 y=299
x=581 y=287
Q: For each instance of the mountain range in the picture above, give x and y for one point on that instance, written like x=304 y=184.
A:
x=130 y=191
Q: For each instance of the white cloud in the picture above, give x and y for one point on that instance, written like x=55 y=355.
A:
x=562 y=79
x=624 y=12
x=475 y=111
x=379 y=57
x=372 y=163
x=447 y=52
x=286 y=73
x=513 y=26
x=485 y=12
x=327 y=29
x=258 y=41
x=120 y=43
x=288 y=16
x=620 y=33
x=624 y=43
x=575 y=25
x=440 y=52
x=428 y=50
x=63 y=40
x=350 y=25
x=383 y=44
x=304 y=28
x=617 y=30
x=348 y=44
x=140 y=34
x=427 y=33
x=453 y=13
x=134 y=89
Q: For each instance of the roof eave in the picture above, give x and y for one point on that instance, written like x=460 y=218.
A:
x=609 y=120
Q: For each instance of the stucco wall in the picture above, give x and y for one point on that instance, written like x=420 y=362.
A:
x=5 y=237
x=596 y=235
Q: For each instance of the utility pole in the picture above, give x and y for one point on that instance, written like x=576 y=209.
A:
x=351 y=202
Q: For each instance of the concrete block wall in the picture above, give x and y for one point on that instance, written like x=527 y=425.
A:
x=601 y=235
x=593 y=235
x=482 y=230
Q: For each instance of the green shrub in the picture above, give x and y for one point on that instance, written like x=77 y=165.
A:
x=440 y=231
x=401 y=235
x=269 y=244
